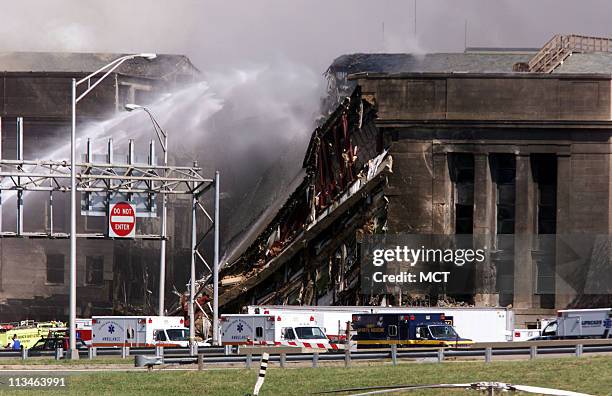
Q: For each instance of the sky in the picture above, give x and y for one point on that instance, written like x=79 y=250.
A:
x=258 y=55
x=221 y=34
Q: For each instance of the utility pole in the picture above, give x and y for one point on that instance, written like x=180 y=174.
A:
x=216 y=266
x=73 y=353
x=415 y=18
x=465 y=36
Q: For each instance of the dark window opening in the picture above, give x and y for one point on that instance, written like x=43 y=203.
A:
x=544 y=168
x=55 y=268
x=259 y=331
x=159 y=335
x=503 y=170
x=288 y=333
x=461 y=167
x=94 y=270
x=503 y=174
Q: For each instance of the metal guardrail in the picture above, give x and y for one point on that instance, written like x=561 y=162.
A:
x=559 y=47
x=217 y=355
x=102 y=352
x=486 y=351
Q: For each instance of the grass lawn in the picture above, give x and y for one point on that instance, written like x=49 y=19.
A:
x=589 y=375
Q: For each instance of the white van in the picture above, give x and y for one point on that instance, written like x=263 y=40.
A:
x=139 y=331
x=282 y=329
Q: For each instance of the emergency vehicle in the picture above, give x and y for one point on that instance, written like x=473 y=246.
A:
x=406 y=329
x=28 y=332
x=333 y=323
x=579 y=323
x=83 y=331
x=481 y=324
x=286 y=329
x=139 y=331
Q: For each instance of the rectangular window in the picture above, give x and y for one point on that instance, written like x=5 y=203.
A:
x=504 y=174
x=545 y=277
x=55 y=268
x=461 y=167
x=159 y=335
x=288 y=333
x=259 y=331
x=94 y=270
x=544 y=168
x=392 y=330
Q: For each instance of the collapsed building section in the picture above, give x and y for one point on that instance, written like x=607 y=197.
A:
x=480 y=146
x=309 y=253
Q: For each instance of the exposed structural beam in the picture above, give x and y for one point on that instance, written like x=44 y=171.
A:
x=107 y=178
x=43 y=175
x=198 y=207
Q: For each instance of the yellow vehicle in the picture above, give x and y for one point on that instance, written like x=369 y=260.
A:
x=28 y=332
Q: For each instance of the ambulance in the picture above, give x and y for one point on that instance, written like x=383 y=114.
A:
x=139 y=331
x=579 y=323
x=285 y=329
x=406 y=329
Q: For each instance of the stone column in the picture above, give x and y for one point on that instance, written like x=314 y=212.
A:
x=443 y=210
x=563 y=292
x=485 y=274
x=524 y=230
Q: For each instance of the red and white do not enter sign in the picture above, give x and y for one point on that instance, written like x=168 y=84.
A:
x=122 y=220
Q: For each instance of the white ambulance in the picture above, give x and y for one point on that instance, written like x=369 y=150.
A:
x=139 y=331
x=284 y=329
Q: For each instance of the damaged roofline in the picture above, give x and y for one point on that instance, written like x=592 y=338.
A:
x=478 y=75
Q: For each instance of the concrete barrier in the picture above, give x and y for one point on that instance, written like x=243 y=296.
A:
x=147 y=361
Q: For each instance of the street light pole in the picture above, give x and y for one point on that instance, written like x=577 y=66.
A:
x=216 y=266
x=74 y=353
x=107 y=70
x=162 y=136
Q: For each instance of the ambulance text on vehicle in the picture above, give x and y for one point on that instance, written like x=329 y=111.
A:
x=293 y=330
x=139 y=331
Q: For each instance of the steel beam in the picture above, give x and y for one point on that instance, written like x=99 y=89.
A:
x=192 y=282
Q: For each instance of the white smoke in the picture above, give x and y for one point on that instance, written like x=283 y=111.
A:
x=250 y=123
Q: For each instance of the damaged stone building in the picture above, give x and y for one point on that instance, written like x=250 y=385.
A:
x=34 y=272
x=502 y=144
